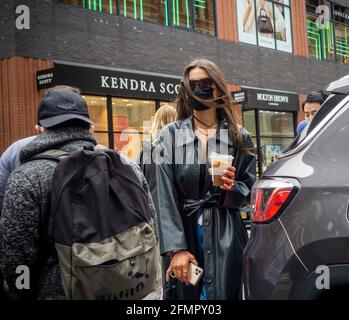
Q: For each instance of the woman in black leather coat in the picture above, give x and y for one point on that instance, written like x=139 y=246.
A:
x=198 y=222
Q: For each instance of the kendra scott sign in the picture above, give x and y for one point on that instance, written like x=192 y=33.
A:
x=139 y=85
x=114 y=82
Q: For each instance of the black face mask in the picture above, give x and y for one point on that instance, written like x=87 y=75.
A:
x=203 y=94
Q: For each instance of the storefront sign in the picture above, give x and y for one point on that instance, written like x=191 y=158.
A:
x=44 y=79
x=118 y=83
x=239 y=97
x=340 y=13
x=271 y=100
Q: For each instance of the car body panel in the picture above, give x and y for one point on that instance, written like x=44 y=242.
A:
x=315 y=223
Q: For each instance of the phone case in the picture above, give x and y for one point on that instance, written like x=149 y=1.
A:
x=195 y=274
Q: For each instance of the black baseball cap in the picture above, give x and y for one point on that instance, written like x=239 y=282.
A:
x=62 y=105
x=316 y=96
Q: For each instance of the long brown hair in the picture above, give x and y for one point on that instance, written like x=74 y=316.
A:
x=224 y=110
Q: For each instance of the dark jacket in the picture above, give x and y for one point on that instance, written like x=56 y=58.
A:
x=183 y=188
x=9 y=161
x=148 y=167
x=26 y=207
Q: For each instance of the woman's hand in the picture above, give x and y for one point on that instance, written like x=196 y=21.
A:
x=228 y=178
x=179 y=266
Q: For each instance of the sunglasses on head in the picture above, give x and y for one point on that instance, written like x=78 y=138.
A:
x=204 y=84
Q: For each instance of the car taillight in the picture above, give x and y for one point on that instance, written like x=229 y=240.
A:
x=269 y=197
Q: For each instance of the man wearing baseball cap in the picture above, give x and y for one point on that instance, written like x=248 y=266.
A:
x=65 y=125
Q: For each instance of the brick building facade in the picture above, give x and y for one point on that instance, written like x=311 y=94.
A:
x=62 y=33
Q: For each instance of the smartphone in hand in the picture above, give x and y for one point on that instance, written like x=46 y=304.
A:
x=194 y=273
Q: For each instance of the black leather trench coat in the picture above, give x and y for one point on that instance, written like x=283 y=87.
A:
x=183 y=186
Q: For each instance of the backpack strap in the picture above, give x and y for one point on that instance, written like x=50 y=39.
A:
x=52 y=154
x=55 y=155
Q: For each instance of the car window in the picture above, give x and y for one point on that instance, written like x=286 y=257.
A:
x=326 y=107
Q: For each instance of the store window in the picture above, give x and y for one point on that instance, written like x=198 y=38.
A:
x=97 y=108
x=342 y=42
x=131 y=124
x=147 y=10
x=271 y=132
x=129 y=120
x=265 y=23
x=181 y=13
x=328 y=39
x=204 y=16
x=191 y=15
x=106 y=6
x=173 y=104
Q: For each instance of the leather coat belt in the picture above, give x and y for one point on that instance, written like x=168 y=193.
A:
x=190 y=206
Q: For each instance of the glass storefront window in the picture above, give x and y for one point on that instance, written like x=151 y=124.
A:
x=320 y=41
x=176 y=13
x=97 y=108
x=272 y=148
x=131 y=124
x=250 y=122
x=147 y=10
x=314 y=40
x=266 y=23
x=311 y=5
x=276 y=132
x=204 y=16
x=173 y=104
x=102 y=139
x=181 y=14
x=106 y=6
x=328 y=41
x=342 y=42
x=273 y=123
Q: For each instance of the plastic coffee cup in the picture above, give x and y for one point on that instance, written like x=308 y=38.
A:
x=220 y=163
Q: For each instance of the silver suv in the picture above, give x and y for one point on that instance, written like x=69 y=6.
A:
x=299 y=244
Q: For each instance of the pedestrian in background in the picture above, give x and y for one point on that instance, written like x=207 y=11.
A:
x=26 y=216
x=165 y=115
x=10 y=159
x=310 y=107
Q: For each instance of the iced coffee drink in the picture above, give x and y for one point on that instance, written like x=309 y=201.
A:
x=220 y=163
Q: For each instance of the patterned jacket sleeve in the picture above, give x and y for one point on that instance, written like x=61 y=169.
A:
x=19 y=234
